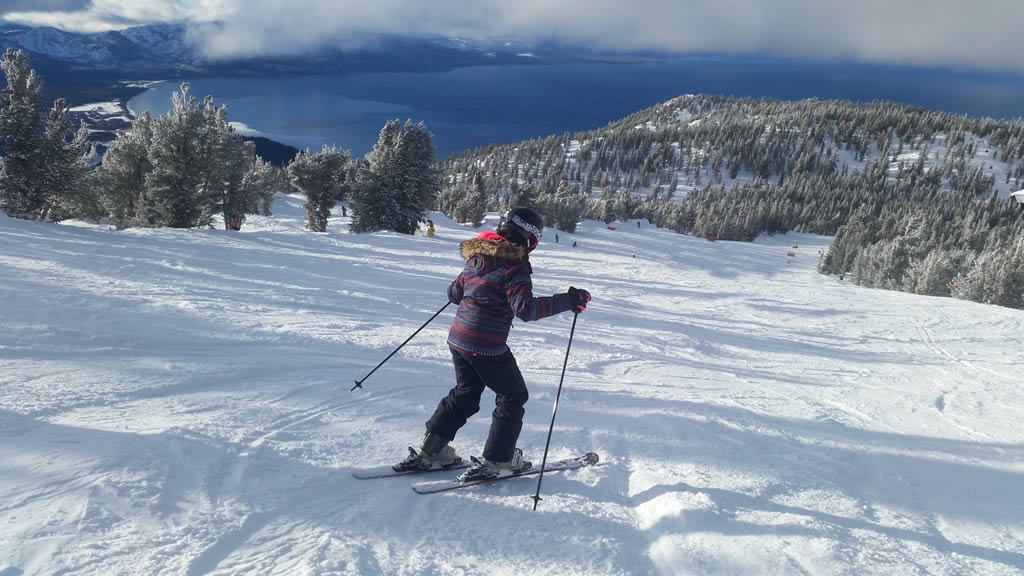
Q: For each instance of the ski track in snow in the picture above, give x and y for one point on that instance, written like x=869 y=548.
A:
x=177 y=402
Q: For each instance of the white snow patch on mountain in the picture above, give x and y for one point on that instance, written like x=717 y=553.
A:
x=106 y=108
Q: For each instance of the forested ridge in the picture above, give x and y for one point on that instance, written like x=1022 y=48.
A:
x=917 y=199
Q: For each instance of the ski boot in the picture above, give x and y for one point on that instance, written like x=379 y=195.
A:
x=434 y=452
x=484 y=469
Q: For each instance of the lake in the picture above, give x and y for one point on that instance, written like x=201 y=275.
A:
x=476 y=106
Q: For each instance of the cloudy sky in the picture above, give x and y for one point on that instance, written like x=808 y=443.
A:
x=975 y=34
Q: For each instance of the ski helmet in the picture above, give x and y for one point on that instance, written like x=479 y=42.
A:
x=521 y=226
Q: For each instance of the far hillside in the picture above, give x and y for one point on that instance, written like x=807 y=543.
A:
x=927 y=192
x=693 y=142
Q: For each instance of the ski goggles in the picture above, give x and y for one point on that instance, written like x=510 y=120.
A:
x=527 y=226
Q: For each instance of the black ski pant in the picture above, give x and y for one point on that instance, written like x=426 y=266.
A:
x=472 y=374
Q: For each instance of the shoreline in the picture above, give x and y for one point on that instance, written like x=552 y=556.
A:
x=122 y=101
x=103 y=125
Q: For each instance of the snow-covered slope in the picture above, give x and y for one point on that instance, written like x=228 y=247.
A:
x=104 y=50
x=177 y=402
x=168 y=40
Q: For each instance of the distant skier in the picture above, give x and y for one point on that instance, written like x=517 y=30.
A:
x=494 y=286
x=637 y=223
x=344 y=211
x=573 y=243
x=430 y=228
x=556 y=237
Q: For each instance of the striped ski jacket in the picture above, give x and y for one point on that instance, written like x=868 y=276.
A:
x=495 y=286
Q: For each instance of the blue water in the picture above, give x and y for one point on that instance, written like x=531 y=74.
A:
x=476 y=106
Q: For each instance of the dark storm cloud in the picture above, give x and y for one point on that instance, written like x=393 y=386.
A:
x=7 y=6
x=982 y=33
x=975 y=34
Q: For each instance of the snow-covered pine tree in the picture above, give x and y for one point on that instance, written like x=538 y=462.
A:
x=607 y=211
x=995 y=276
x=173 y=195
x=319 y=176
x=1015 y=265
x=417 y=178
x=21 y=130
x=375 y=195
x=238 y=159
x=226 y=159
x=933 y=275
x=398 y=183
x=182 y=169
x=566 y=207
x=122 y=176
x=471 y=205
x=67 y=179
x=625 y=204
x=215 y=163
x=521 y=196
x=262 y=180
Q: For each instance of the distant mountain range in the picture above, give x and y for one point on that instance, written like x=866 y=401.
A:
x=142 y=48
x=163 y=50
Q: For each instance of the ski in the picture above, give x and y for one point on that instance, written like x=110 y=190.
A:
x=567 y=464
x=388 y=471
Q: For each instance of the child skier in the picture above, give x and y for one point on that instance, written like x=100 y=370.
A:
x=494 y=286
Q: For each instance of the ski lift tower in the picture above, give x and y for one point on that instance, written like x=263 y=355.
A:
x=1019 y=196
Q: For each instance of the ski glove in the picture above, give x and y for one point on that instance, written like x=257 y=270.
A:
x=578 y=299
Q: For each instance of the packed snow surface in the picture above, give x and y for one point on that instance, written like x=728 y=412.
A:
x=177 y=402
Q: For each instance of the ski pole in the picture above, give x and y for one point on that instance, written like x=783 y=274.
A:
x=359 y=383
x=536 y=497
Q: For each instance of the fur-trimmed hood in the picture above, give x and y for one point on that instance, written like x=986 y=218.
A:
x=497 y=248
x=487 y=254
